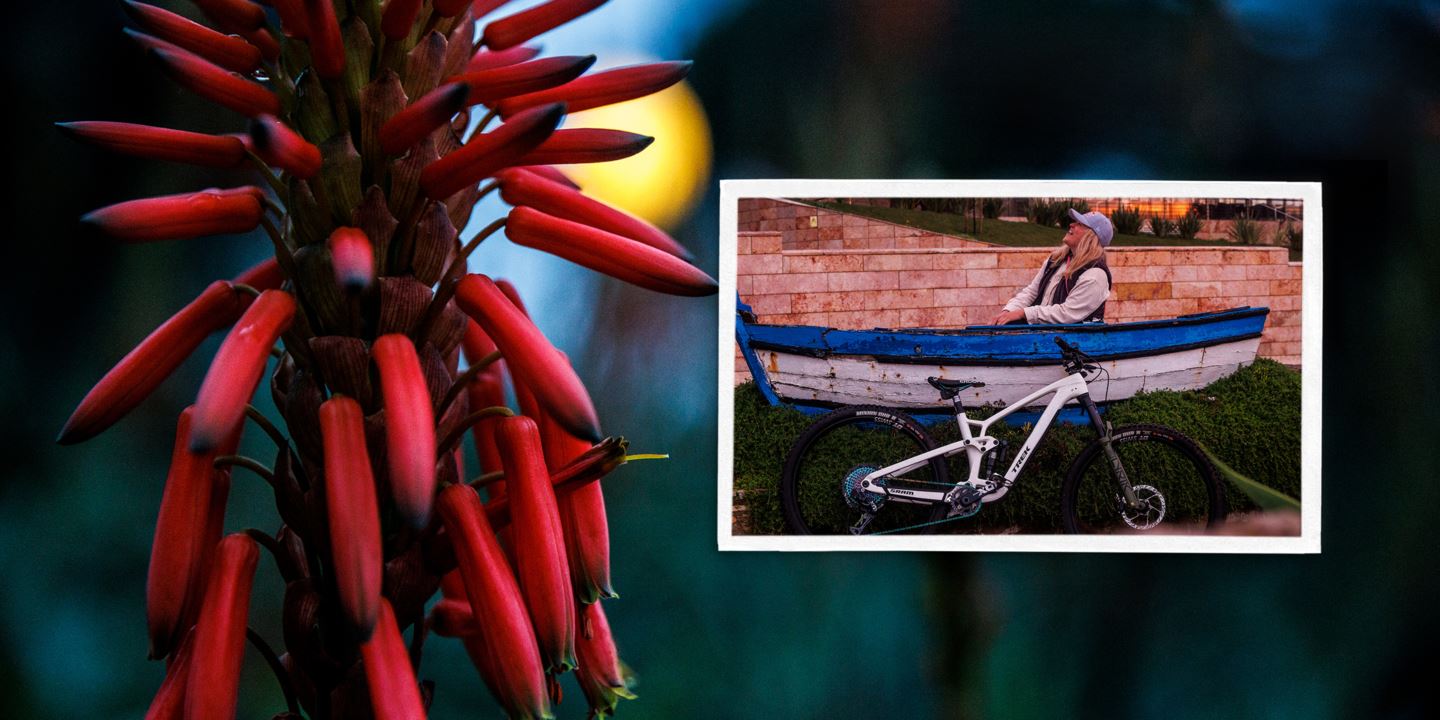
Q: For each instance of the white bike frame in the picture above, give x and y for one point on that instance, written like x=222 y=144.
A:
x=975 y=446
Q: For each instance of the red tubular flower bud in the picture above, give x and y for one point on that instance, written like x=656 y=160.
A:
x=172 y=217
x=487 y=86
x=353 y=512
x=582 y=515
x=619 y=257
x=139 y=372
x=449 y=8
x=217 y=84
x=293 y=21
x=265 y=275
x=585 y=145
x=481 y=8
x=394 y=693
x=175 y=557
x=515 y=29
x=453 y=618
x=282 y=147
x=601 y=675
x=509 y=658
x=398 y=19
x=523 y=187
x=169 y=702
x=420 y=118
x=530 y=355
x=157 y=143
x=552 y=174
x=353 y=258
x=214 y=681
x=409 y=427
x=487 y=389
x=539 y=542
x=327 y=48
x=490 y=152
x=263 y=41
x=487 y=59
x=603 y=88
x=233 y=15
x=235 y=372
x=227 y=51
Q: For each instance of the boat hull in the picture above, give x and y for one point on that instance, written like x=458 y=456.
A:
x=815 y=368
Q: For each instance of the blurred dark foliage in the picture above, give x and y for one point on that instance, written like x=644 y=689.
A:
x=1340 y=92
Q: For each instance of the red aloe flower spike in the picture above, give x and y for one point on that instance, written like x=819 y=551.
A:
x=139 y=372
x=586 y=145
x=487 y=86
x=540 y=562
x=449 y=8
x=327 y=49
x=282 y=147
x=394 y=693
x=227 y=51
x=582 y=515
x=172 y=217
x=528 y=354
x=487 y=389
x=176 y=553
x=265 y=275
x=551 y=173
x=515 y=29
x=233 y=15
x=420 y=118
x=510 y=659
x=603 y=88
x=220 y=633
x=169 y=702
x=216 y=84
x=157 y=143
x=237 y=367
x=601 y=674
x=409 y=427
x=398 y=18
x=353 y=512
x=614 y=255
x=481 y=8
x=489 y=152
x=522 y=187
x=487 y=59
x=353 y=258
x=293 y=21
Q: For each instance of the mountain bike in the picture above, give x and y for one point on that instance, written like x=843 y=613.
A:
x=868 y=470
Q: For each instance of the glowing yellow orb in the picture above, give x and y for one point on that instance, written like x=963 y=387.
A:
x=662 y=183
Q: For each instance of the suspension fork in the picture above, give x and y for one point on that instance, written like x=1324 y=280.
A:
x=1117 y=469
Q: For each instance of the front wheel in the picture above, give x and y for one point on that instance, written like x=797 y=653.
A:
x=1174 y=484
x=819 y=488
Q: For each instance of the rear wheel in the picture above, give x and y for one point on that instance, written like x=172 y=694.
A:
x=819 y=488
x=1174 y=483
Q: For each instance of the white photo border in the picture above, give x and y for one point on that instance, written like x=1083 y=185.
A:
x=1312 y=313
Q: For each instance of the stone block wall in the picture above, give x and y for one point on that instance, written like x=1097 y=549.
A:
x=955 y=287
x=802 y=227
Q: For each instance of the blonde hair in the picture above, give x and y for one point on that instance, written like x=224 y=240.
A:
x=1087 y=250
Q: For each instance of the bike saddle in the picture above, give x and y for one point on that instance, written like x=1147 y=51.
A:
x=950 y=388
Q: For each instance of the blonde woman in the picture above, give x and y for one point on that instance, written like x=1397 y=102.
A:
x=1074 y=282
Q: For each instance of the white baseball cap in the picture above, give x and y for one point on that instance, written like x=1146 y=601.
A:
x=1098 y=222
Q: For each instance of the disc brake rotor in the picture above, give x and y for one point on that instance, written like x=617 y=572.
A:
x=1152 y=508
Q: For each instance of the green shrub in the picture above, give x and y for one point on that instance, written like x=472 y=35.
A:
x=1044 y=212
x=1244 y=231
x=1127 y=222
x=992 y=208
x=1189 y=226
x=1081 y=206
x=1161 y=227
x=1250 y=420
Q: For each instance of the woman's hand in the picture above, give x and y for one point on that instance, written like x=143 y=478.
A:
x=1008 y=316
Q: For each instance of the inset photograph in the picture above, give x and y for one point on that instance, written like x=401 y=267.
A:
x=1087 y=366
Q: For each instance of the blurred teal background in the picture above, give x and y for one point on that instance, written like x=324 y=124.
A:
x=1346 y=93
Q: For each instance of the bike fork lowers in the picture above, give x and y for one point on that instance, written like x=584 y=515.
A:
x=1117 y=469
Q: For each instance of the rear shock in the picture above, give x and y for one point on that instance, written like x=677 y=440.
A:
x=997 y=455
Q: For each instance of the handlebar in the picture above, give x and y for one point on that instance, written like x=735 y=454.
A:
x=1075 y=359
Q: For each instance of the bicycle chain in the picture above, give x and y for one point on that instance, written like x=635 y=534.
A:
x=984 y=490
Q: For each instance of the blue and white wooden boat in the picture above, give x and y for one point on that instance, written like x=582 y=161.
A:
x=816 y=369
